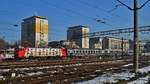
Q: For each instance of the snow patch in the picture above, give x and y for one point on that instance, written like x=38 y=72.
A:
x=115 y=77
x=142 y=80
x=109 y=78
x=144 y=70
x=127 y=65
x=36 y=73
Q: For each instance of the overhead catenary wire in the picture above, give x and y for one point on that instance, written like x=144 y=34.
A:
x=64 y=9
x=29 y=5
x=98 y=8
x=97 y=19
x=75 y=12
x=115 y=8
x=101 y=10
x=10 y=24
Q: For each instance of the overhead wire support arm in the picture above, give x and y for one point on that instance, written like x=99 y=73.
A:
x=144 y=4
x=130 y=7
x=136 y=31
x=125 y=5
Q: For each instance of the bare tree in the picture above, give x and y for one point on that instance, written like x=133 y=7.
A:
x=3 y=43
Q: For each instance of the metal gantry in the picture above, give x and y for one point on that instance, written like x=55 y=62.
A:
x=115 y=32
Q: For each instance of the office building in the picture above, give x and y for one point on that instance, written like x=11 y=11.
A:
x=115 y=43
x=140 y=44
x=34 y=32
x=78 y=34
x=95 y=43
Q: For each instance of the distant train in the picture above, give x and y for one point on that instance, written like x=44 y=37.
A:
x=57 y=52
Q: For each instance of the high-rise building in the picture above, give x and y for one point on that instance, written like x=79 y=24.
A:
x=95 y=43
x=115 y=43
x=34 y=32
x=78 y=34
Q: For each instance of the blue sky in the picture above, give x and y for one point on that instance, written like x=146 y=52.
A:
x=62 y=14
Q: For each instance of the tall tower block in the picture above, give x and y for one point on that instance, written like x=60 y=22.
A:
x=34 y=32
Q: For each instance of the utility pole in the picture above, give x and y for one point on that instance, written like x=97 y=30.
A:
x=136 y=38
x=122 y=47
x=136 y=35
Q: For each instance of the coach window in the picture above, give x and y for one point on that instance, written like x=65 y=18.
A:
x=94 y=51
x=86 y=51
x=80 y=51
x=76 y=51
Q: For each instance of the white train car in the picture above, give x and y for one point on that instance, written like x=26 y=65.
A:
x=84 y=52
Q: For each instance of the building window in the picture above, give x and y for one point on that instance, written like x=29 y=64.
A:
x=42 y=26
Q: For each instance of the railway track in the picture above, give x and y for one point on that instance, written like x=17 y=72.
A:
x=60 y=71
x=36 y=63
x=64 y=73
x=68 y=71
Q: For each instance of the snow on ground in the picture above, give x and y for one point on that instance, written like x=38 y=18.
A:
x=1 y=77
x=109 y=78
x=4 y=70
x=35 y=73
x=128 y=65
x=115 y=77
x=144 y=70
x=97 y=80
x=142 y=80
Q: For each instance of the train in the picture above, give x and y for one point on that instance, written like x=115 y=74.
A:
x=40 y=52
x=27 y=52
